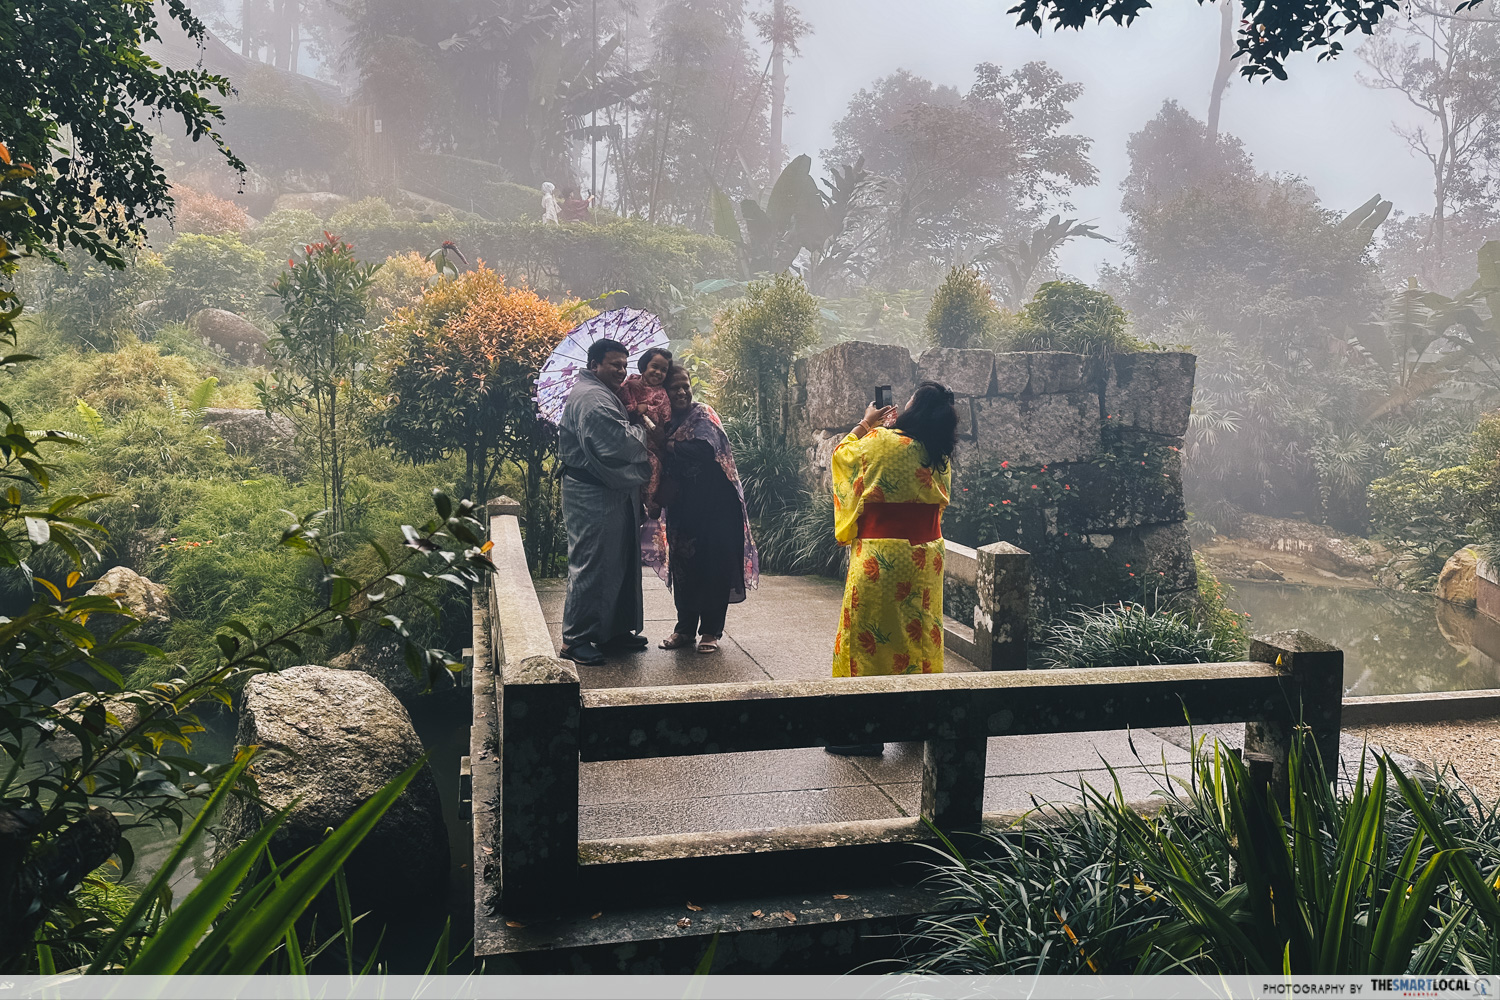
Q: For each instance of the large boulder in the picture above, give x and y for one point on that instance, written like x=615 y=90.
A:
x=1037 y=429
x=1455 y=583
x=146 y=600
x=382 y=656
x=233 y=336
x=1151 y=391
x=1342 y=557
x=320 y=203
x=330 y=739
x=266 y=438
x=841 y=381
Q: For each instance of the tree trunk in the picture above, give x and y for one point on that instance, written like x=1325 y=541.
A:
x=1227 y=11
x=30 y=887
x=778 y=89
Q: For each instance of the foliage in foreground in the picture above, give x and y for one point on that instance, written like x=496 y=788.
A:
x=1384 y=877
x=799 y=539
x=1128 y=634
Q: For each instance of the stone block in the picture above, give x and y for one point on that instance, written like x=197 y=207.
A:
x=1314 y=686
x=1153 y=563
x=1055 y=371
x=539 y=715
x=331 y=739
x=820 y=455
x=841 y=381
x=1012 y=373
x=1151 y=391
x=1002 y=581
x=965 y=409
x=966 y=372
x=1038 y=429
x=1138 y=489
x=1456 y=582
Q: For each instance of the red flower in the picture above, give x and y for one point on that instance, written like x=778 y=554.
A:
x=936 y=634
x=926 y=666
x=914 y=630
x=926 y=599
x=937 y=563
x=1004 y=465
x=867 y=642
x=877 y=495
x=838 y=639
x=901 y=661
x=903 y=590
x=854 y=600
x=872 y=568
x=848 y=618
x=919 y=556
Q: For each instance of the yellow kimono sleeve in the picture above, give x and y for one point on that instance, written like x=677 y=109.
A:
x=847 y=469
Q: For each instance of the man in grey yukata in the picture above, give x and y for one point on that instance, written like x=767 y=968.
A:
x=605 y=464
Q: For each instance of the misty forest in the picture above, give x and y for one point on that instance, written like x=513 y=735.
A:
x=278 y=278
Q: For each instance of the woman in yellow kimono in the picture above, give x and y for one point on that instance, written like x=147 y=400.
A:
x=890 y=486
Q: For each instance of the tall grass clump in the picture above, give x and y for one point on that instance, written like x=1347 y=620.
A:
x=1127 y=634
x=799 y=539
x=1374 y=875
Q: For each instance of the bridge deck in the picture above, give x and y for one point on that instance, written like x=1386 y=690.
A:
x=784 y=631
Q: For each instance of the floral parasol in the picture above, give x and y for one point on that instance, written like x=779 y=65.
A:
x=635 y=328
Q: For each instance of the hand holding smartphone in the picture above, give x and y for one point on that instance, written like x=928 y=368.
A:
x=883 y=396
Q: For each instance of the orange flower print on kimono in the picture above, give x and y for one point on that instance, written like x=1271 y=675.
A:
x=892 y=617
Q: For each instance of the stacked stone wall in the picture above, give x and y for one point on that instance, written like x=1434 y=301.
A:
x=1091 y=446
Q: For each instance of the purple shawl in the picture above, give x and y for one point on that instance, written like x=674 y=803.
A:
x=702 y=423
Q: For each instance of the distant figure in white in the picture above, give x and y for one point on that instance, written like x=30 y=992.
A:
x=549 y=203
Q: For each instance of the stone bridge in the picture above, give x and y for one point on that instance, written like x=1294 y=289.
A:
x=607 y=799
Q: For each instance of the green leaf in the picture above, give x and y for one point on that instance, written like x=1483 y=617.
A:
x=160 y=881
x=260 y=933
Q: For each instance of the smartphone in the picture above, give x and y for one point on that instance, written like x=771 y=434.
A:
x=883 y=396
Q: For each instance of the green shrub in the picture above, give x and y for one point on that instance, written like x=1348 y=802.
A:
x=1127 y=634
x=1211 y=611
x=799 y=540
x=283 y=233
x=1229 y=879
x=770 y=471
x=1428 y=514
x=89 y=303
x=367 y=213
x=213 y=272
x=1071 y=316
x=755 y=342
x=963 y=312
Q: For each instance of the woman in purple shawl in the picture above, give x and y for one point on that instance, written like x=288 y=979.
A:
x=704 y=550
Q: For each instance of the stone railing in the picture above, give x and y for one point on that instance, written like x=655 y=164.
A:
x=543 y=726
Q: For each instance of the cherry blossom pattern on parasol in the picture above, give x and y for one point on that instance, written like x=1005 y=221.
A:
x=637 y=329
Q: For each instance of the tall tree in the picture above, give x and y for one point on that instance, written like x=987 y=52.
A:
x=781 y=27
x=963 y=173
x=704 y=119
x=1227 y=11
x=1447 y=66
x=76 y=89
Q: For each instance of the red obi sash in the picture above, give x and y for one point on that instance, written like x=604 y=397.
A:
x=915 y=522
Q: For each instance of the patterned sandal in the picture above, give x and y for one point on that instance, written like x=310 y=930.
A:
x=675 y=641
x=707 y=645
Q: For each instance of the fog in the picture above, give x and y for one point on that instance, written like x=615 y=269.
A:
x=1321 y=124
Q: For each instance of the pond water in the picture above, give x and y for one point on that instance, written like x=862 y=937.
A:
x=1394 y=643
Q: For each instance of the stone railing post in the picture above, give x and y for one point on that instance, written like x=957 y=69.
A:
x=501 y=506
x=1314 y=688
x=539 y=715
x=953 y=782
x=1003 y=580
